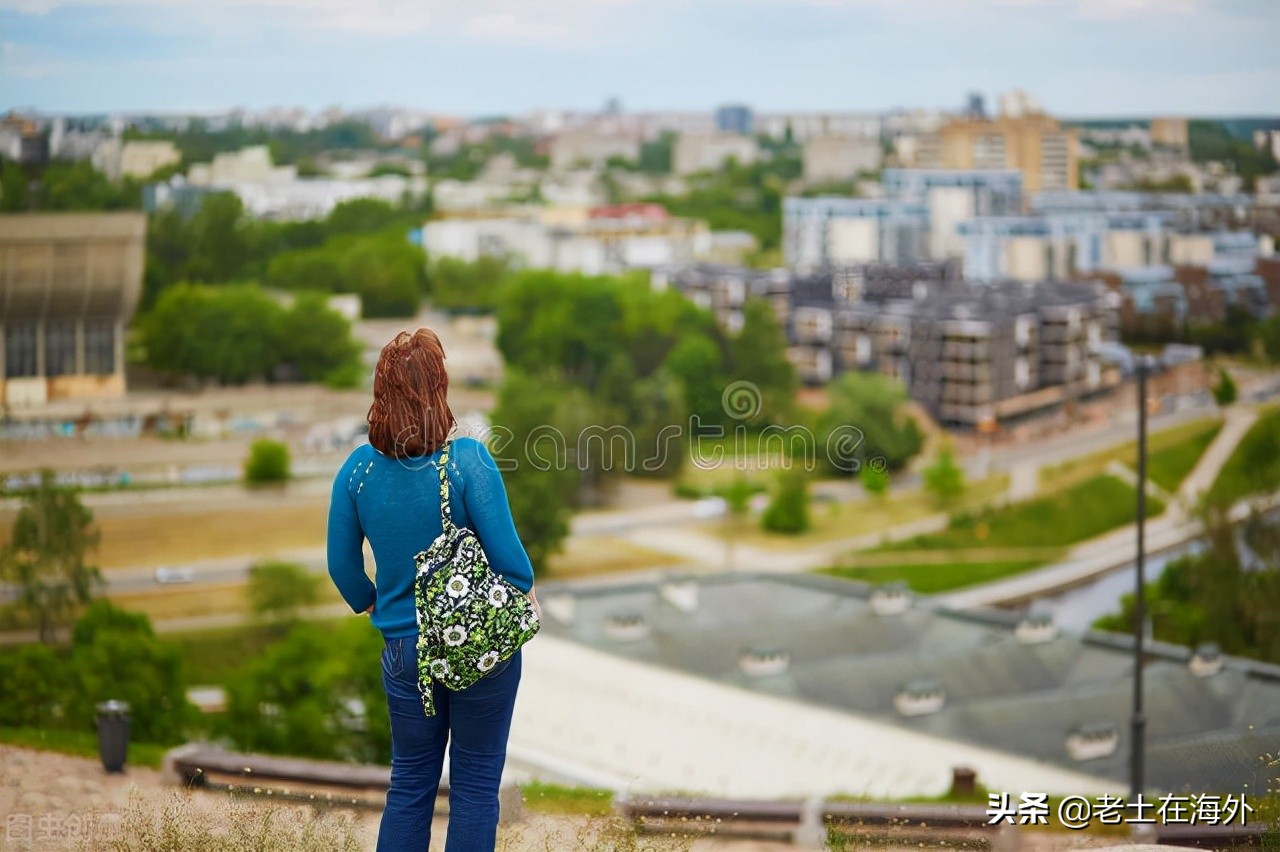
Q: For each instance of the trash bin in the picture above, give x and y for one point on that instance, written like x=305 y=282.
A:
x=113 y=734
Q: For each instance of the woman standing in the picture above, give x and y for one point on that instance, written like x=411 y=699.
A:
x=388 y=493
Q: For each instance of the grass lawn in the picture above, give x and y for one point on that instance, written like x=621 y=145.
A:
x=554 y=799
x=752 y=457
x=1255 y=465
x=586 y=555
x=211 y=655
x=1060 y=519
x=186 y=601
x=1171 y=454
x=80 y=744
x=929 y=578
x=833 y=521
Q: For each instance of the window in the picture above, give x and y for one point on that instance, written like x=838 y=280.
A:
x=99 y=347
x=60 y=348
x=20 y=351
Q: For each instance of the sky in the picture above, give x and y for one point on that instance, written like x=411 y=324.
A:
x=1079 y=58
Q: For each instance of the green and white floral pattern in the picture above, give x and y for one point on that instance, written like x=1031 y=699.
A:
x=469 y=617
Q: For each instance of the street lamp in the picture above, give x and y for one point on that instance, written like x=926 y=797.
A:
x=1137 y=747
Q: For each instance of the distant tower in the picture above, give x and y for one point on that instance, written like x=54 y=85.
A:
x=976 y=106
x=734 y=118
x=613 y=106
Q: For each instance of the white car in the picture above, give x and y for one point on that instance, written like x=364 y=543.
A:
x=174 y=575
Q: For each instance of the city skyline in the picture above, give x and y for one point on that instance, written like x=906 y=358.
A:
x=1079 y=58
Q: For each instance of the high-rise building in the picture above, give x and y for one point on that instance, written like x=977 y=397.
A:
x=1169 y=132
x=1022 y=138
x=734 y=118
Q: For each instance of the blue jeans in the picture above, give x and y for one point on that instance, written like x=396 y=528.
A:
x=474 y=722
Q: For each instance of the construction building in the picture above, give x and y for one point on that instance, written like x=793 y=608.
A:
x=69 y=284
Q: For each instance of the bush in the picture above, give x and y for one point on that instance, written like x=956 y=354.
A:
x=278 y=590
x=788 y=512
x=268 y=462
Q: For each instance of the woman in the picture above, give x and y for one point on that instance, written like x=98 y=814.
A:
x=388 y=492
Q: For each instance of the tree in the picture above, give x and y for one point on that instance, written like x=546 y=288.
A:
x=313 y=694
x=362 y=216
x=696 y=363
x=874 y=482
x=788 y=512
x=116 y=654
x=315 y=339
x=268 y=462
x=14 y=192
x=45 y=558
x=870 y=410
x=944 y=479
x=460 y=285
x=278 y=591
x=1268 y=332
x=758 y=354
x=1224 y=392
x=35 y=686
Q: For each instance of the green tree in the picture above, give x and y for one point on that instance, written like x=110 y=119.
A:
x=460 y=285
x=1268 y=333
x=696 y=362
x=35 y=686
x=788 y=511
x=116 y=654
x=362 y=216
x=870 y=409
x=533 y=450
x=944 y=479
x=874 y=482
x=14 y=192
x=313 y=694
x=46 y=557
x=316 y=339
x=225 y=333
x=279 y=591
x=220 y=240
x=1224 y=392
x=268 y=462
x=758 y=354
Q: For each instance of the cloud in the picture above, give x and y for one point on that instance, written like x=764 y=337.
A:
x=503 y=26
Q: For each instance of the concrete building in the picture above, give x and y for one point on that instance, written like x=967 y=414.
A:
x=825 y=232
x=593 y=241
x=1170 y=133
x=69 y=284
x=734 y=118
x=832 y=159
x=591 y=146
x=788 y=686
x=135 y=158
x=248 y=165
x=703 y=152
x=1023 y=139
x=953 y=196
x=803 y=126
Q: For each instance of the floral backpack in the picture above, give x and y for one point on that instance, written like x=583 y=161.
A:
x=469 y=617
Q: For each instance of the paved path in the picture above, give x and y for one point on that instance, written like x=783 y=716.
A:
x=1239 y=419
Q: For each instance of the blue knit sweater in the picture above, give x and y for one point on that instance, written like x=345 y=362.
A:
x=395 y=504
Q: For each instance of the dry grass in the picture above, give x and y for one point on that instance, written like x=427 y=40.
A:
x=587 y=555
x=178 y=537
x=179 y=824
x=194 y=601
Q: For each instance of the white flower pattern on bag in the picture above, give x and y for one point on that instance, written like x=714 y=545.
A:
x=469 y=618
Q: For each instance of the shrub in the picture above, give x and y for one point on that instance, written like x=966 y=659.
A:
x=268 y=462
x=788 y=512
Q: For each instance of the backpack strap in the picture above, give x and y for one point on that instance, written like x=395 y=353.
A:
x=446 y=512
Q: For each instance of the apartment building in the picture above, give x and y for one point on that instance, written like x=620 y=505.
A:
x=136 y=158
x=590 y=240
x=802 y=126
x=703 y=152
x=831 y=232
x=954 y=196
x=835 y=158
x=1170 y=133
x=591 y=146
x=1032 y=142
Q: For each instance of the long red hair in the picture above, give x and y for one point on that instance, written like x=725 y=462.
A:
x=410 y=414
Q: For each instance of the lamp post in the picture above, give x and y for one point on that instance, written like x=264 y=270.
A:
x=1137 y=747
